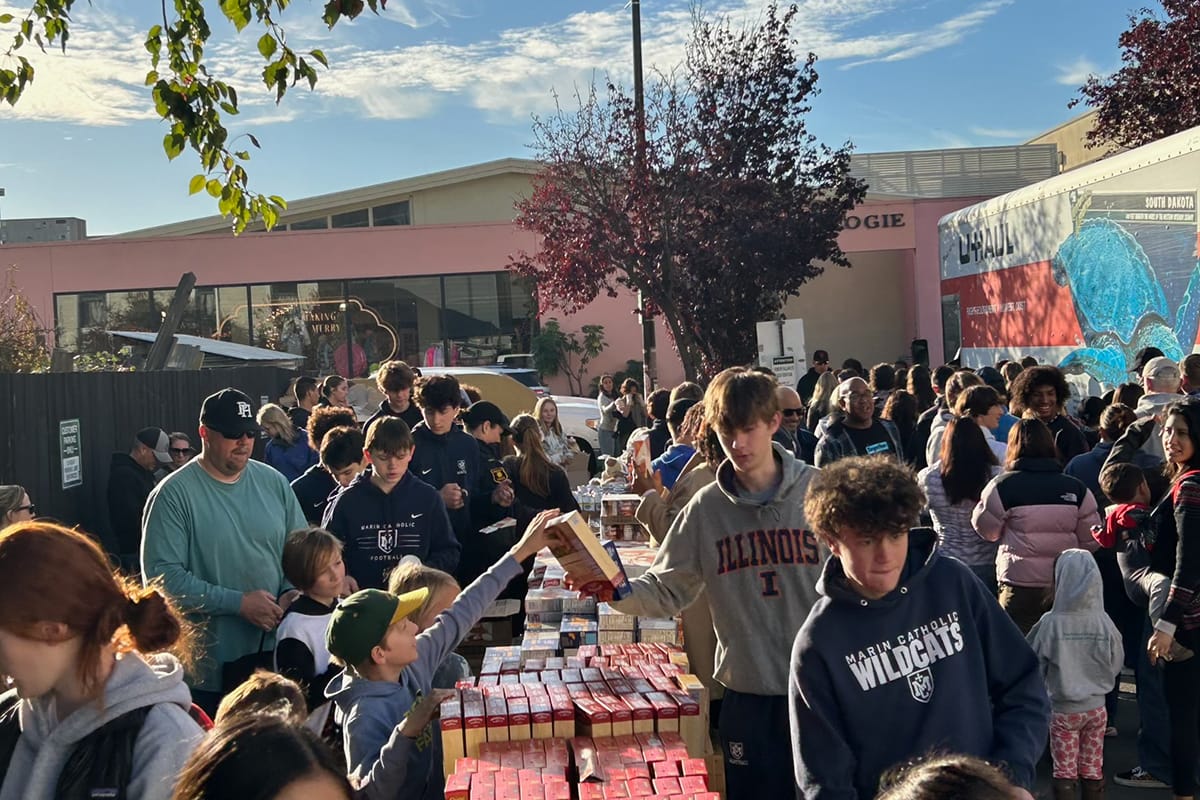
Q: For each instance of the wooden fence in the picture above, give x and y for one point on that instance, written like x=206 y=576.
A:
x=37 y=412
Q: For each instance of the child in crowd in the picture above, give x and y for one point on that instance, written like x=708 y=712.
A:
x=1080 y=653
x=263 y=756
x=442 y=590
x=1130 y=529
x=264 y=692
x=312 y=562
x=412 y=575
x=386 y=693
x=949 y=777
x=97 y=699
x=387 y=512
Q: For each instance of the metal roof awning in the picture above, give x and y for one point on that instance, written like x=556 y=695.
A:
x=217 y=353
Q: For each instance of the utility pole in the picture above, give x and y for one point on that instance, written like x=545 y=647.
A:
x=649 y=373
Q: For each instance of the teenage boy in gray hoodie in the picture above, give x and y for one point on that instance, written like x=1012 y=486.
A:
x=385 y=693
x=744 y=539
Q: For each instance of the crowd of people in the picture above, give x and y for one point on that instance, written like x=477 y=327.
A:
x=896 y=582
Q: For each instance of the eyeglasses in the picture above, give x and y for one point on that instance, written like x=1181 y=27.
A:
x=182 y=451
x=793 y=412
x=31 y=508
x=821 y=363
x=237 y=437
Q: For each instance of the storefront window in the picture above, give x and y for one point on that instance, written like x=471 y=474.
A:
x=306 y=318
x=473 y=318
x=200 y=316
x=407 y=310
x=233 y=314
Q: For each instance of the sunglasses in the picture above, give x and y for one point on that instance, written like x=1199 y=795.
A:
x=793 y=412
x=182 y=451
x=237 y=437
x=31 y=508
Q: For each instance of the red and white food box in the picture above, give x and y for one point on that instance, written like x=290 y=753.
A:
x=541 y=716
x=666 y=713
x=497 y=718
x=474 y=721
x=592 y=718
x=453 y=743
x=518 y=719
x=563 y=709
x=458 y=786
x=691 y=784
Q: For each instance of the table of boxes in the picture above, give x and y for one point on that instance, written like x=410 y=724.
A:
x=609 y=721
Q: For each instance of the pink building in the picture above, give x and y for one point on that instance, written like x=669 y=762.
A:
x=415 y=269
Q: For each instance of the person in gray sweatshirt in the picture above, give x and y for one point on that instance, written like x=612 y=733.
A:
x=77 y=644
x=744 y=539
x=1080 y=652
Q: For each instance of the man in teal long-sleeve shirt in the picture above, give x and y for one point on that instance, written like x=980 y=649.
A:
x=213 y=532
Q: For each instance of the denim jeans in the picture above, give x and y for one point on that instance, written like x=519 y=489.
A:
x=1154 y=737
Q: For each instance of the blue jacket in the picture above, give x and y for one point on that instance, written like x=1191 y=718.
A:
x=379 y=529
x=449 y=458
x=314 y=489
x=672 y=462
x=291 y=460
x=376 y=752
x=934 y=665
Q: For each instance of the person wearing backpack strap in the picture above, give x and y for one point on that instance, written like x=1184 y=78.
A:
x=99 y=709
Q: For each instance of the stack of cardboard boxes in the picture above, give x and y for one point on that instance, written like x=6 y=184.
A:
x=642 y=766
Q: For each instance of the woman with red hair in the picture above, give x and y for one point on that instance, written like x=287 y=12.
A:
x=99 y=708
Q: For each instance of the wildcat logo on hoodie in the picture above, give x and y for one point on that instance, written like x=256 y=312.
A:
x=909 y=656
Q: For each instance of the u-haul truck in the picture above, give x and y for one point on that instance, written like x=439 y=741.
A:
x=1081 y=270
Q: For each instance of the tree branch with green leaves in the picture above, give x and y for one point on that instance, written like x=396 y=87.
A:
x=192 y=100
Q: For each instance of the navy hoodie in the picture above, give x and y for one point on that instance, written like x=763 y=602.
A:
x=449 y=458
x=379 y=529
x=936 y=665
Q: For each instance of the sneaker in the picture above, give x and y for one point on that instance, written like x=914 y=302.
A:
x=1110 y=731
x=1139 y=778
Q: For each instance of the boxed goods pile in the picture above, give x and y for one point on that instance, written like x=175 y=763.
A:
x=610 y=690
x=552 y=610
x=644 y=765
x=617 y=518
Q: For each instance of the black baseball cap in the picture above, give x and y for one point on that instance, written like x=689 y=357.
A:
x=820 y=357
x=229 y=413
x=156 y=439
x=482 y=412
x=1143 y=356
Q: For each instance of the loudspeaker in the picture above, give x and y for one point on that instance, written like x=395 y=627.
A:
x=920 y=352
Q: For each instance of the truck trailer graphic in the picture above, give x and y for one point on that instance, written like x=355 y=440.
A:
x=1082 y=270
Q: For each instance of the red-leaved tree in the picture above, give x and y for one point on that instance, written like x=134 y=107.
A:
x=734 y=206
x=1157 y=90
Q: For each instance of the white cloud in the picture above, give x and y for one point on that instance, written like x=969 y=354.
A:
x=509 y=75
x=98 y=81
x=1077 y=72
x=1004 y=133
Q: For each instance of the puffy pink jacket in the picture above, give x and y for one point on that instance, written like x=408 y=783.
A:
x=1035 y=512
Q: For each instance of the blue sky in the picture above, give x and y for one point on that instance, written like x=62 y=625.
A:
x=436 y=84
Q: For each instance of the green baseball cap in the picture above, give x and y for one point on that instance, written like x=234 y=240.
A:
x=361 y=621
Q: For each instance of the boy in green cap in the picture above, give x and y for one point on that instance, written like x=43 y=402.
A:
x=385 y=693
